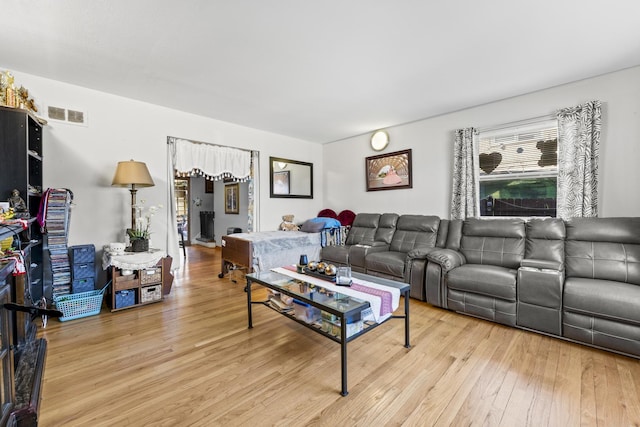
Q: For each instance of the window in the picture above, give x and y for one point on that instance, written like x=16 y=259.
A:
x=518 y=170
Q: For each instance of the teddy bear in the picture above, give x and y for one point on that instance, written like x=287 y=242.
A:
x=287 y=223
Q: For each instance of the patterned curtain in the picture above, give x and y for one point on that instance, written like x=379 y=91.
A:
x=464 y=196
x=578 y=145
x=252 y=190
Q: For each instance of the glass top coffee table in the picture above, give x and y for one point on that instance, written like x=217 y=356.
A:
x=324 y=309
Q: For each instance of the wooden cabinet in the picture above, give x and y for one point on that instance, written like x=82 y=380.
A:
x=143 y=286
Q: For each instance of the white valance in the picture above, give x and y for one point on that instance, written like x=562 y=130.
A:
x=211 y=161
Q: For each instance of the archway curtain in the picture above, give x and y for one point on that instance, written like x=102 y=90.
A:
x=464 y=193
x=208 y=160
x=578 y=153
x=212 y=161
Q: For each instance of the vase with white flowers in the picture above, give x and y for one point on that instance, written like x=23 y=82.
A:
x=139 y=235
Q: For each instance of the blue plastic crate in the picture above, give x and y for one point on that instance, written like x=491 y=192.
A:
x=83 y=271
x=125 y=298
x=83 y=285
x=82 y=254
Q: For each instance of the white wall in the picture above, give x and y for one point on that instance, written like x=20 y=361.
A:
x=431 y=141
x=224 y=220
x=84 y=159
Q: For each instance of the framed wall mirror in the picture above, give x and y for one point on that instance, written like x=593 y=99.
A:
x=290 y=178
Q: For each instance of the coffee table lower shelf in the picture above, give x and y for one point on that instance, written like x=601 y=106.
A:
x=343 y=339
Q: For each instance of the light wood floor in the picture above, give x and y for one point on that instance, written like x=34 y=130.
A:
x=191 y=360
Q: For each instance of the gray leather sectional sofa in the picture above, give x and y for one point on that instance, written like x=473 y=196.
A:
x=390 y=246
x=577 y=279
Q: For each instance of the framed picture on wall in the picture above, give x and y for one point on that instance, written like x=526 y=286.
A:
x=389 y=171
x=231 y=198
x=208 y=186
x=281 y=182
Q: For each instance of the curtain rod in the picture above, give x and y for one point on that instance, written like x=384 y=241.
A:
x=170 y=138
x=523 y=122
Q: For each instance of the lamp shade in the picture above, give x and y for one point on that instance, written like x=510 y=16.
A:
x=132 y=173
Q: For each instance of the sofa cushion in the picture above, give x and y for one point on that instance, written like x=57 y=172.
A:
x=623 y=230
x=389 y=263
x=603 y=260
x=488 y=280
x=545 y=239
x=415 y=231
x=585 y=296
x=310 y=226
x=346 y=217
x=497 y=242
x=335 y=254
x=454 y=234
x=603 y=248
x=386 y=227
x=363 y=228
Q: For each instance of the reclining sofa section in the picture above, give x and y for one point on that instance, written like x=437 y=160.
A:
x=577 y=279
x=391 y=246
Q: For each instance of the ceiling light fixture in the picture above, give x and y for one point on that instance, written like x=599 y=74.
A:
x=379 y=140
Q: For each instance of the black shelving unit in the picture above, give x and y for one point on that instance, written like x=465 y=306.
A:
x=21 y=152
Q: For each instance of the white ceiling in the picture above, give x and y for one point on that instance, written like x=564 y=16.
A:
x=319 y=70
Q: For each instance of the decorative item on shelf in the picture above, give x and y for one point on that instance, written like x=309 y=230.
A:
x=18 y=204
x=304 y=260
x=139 y=235
x=139 y=245
x=7 y=89
x=117 y=248
x=12 y=97
x=343 y=276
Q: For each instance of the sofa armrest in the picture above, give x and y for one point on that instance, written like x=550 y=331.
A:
x=448 y=259
x=358 y=253
x=419 y=253
x=542 y=264
x=374 y=244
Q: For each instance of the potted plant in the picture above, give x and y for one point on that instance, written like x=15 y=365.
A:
x=139 y=236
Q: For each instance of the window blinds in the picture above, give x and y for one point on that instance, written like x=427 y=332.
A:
x=519 y=152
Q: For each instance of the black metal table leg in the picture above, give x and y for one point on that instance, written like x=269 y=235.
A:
x=406 y=320
x=343 y=355
x=248 y=289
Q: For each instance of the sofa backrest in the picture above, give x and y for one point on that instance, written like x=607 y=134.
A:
x=603 y=248
x=363 y=228
x=454 y=234
x=493 y=241
x=386 y=227
x=415 y=231
x=545 y=239
x=443 y=231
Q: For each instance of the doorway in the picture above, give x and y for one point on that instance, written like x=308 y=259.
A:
x=182 y=190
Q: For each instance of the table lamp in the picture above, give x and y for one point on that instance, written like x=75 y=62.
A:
x=136 y=175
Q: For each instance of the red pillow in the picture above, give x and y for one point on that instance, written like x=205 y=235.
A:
x=327 y=213
x=346 y=217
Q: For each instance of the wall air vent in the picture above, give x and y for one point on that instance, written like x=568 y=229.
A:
x=64 y=115
x=75 y=116
x=56 y=113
